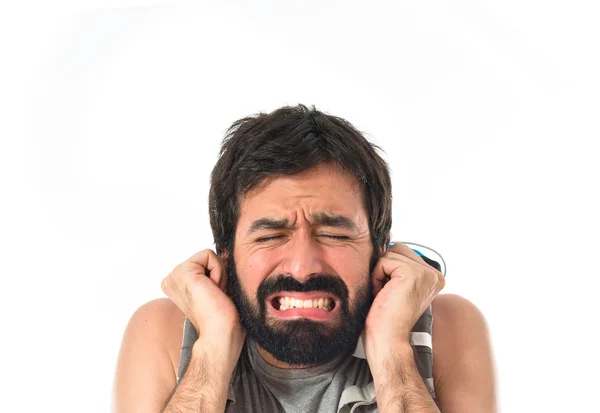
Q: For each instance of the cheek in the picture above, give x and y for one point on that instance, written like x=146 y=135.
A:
x=255 y=271
x=359 y=287
x=354 y=271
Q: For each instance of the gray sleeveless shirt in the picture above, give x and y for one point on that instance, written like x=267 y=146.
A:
x=343 y=385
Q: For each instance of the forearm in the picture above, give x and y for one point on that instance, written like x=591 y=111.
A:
x=399 y=387
x=204 y=386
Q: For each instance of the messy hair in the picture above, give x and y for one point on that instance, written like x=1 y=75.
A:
x=288 y=141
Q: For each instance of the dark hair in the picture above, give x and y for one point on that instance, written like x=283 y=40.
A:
x=288 y=141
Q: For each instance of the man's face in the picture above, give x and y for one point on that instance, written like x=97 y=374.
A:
x=300 y=270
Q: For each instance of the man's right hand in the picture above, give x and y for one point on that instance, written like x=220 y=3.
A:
x=198 y=287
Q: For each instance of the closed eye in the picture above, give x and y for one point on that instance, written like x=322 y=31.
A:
x=273 y=237
x=270 y=238
x=338 y=237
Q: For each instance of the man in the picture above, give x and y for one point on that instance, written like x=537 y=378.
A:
x=301 y=280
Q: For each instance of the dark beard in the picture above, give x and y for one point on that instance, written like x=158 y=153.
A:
x=302 y=342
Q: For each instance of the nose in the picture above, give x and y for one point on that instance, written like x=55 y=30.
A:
x=303 y=257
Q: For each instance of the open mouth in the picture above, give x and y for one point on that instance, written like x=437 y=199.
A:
x=284 y=303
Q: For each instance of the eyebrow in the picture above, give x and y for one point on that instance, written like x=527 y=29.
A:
x=322 y=219
x=268 y=223
x=337 y=221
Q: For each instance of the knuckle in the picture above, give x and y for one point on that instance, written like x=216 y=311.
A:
x=176 y=271
x=209 y=253
x=185 y=267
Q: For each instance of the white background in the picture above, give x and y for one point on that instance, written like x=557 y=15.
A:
x=111 y=115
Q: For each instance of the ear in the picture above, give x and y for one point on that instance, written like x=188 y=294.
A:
x=387 y=244
x=224 y=255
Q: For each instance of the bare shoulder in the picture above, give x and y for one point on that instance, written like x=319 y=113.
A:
x=146 y=370
x=453 y=307
x=456 y=321
x=162 y=321
x=462 y=356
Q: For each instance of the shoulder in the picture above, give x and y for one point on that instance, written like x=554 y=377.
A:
x=457 y=324
x=452 y=308
x=158 y=325
x=146 y=370
x=462 y=355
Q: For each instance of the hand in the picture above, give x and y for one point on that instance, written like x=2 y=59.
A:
x=404 y=287
x=198 y=287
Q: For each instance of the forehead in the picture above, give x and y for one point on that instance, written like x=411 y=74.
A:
x=322 y=189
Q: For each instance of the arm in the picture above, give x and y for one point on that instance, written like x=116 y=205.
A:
x=204 y=385
x=398 y=385
x=404 y=287
x=463 y=365
x=145 y=375
x=146 y=372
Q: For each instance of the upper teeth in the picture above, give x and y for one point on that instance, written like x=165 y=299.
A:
x=291 y=302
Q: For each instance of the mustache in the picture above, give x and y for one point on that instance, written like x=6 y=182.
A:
x=318 y=282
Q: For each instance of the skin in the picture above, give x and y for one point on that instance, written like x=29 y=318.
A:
x=463 y=365
x=303 y=248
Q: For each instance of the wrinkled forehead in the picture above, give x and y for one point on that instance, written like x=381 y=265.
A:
x=310 y=194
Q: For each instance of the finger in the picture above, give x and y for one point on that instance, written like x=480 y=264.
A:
x=379 y=275
x=397 y=266
x=402 y=252
x=405 y=250
x=210 y=262
x=167 y=287
x=377 y=287
x=393 y=267
x=164 y=285
x=441 y=281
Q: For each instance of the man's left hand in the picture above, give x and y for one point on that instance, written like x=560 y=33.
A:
x=404 y=287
